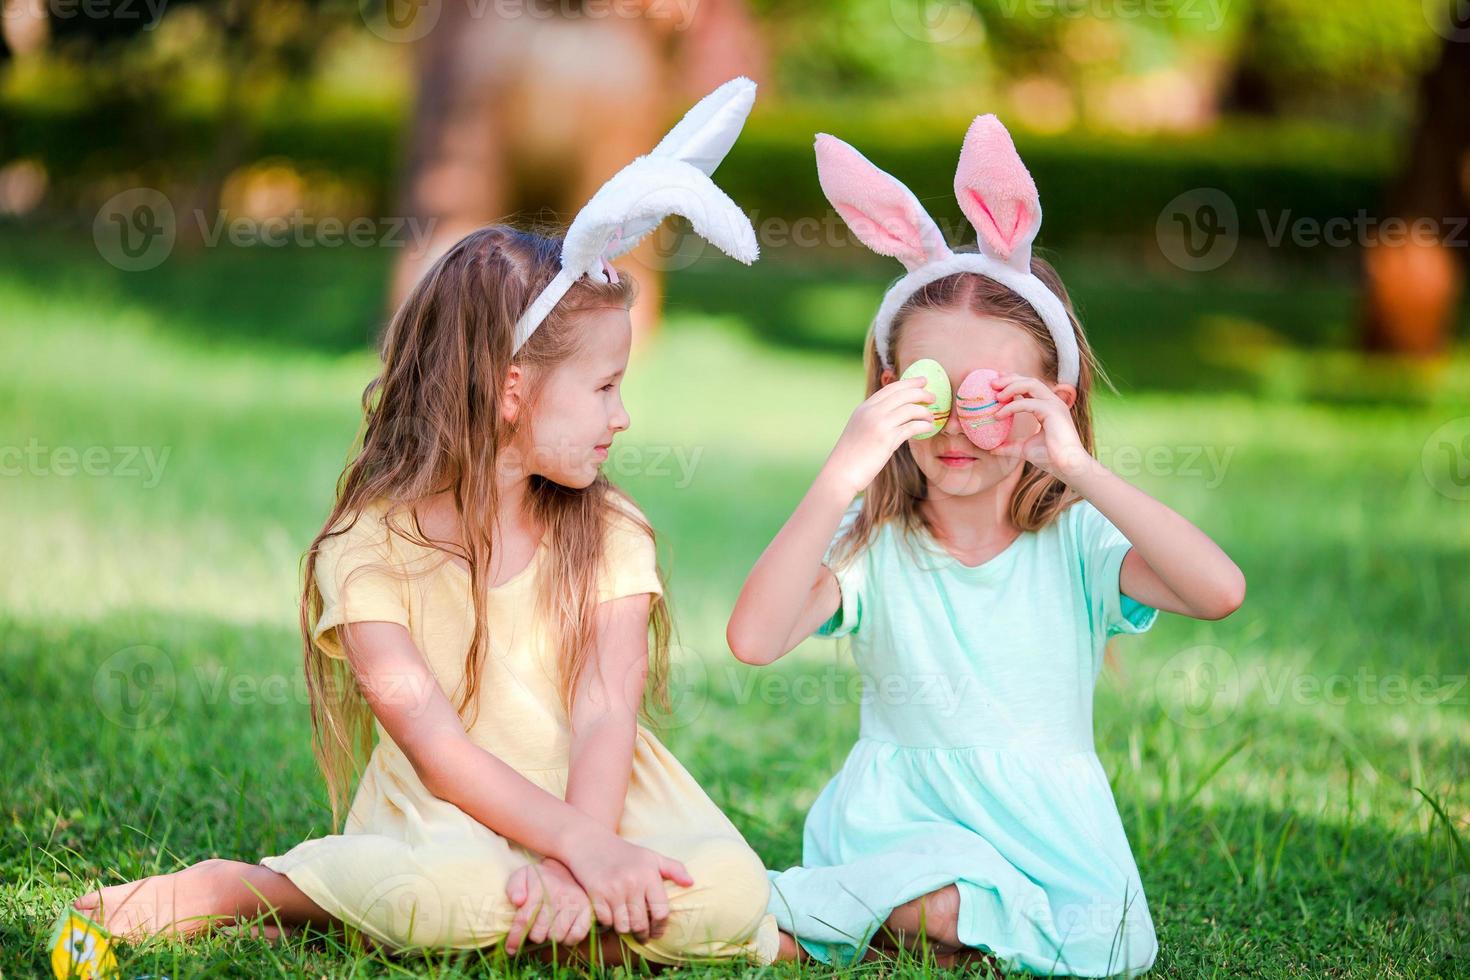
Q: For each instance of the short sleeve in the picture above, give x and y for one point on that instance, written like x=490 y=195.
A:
x=629 y=558
x=851 y=576
x=1102 y=547
x=359 y=581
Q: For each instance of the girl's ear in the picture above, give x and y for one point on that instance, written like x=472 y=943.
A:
x=997 y=194
x=1067 y=393
x=881 y=211
x=888 y=377
x=511 y=397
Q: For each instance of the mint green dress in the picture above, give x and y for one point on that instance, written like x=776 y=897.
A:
x=975 y=764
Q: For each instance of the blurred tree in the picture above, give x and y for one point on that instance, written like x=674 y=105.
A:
x=1351 y=59
x=526 y=113
x=1414 y=282
x=123 y=69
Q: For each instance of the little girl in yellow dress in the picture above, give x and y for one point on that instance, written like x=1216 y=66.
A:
x=477 y=613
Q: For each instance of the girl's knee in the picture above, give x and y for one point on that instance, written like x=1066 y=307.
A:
x=741 y=890
x=724 y=908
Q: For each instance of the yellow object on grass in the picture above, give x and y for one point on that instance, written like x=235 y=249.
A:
x=81 y=949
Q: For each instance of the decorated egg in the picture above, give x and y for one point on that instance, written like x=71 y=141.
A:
x=976 y=406
x=80 y=949
x=938 y=384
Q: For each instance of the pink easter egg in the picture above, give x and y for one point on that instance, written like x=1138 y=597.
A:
x=975 y=405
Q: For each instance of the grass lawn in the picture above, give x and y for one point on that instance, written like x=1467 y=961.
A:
x=1293 y=779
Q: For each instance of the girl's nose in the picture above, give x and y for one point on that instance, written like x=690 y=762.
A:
x=951 y=425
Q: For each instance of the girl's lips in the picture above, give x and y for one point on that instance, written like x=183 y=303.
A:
x=956 y=460
x=601 y=451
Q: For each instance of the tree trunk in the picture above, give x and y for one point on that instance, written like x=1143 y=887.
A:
x=518 y=116
x=1413 y=282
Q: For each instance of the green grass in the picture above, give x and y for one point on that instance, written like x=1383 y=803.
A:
x=1284 y=828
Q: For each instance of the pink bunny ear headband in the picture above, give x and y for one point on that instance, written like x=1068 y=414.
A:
x=673 y=178
x=995 y=192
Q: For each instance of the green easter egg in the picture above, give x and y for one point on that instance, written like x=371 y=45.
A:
x=938 y=384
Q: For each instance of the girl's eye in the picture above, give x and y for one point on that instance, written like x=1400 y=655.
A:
x=609 y=386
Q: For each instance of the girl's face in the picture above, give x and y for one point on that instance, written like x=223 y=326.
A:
x=962 y=341
x=578 y=407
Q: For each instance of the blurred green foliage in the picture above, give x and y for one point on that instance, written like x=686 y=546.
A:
x=1094 y=185
x=1300 y=54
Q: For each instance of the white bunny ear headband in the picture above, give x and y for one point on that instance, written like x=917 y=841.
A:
x=672 y=179
x=995 y=192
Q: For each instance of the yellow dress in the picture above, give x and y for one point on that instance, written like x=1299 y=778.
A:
x=414 y=871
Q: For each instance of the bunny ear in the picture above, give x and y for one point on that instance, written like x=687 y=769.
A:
x=673 y=179
x=881 y=211
x=709 y=129
x=638 y=198
x=997 y=194
x=627 y=208
x=701 y=139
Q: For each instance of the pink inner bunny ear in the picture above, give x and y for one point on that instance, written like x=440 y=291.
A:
x=997 y=194
x=882 y=212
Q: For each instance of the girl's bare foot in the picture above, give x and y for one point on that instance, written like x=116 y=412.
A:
x=160 y=905
x=204 y=895
x=791 y=951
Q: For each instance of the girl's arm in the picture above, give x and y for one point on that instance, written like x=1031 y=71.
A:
x=406 y=698
x=605 y=711
x=1172 y=565
x=604 y=722
x=624 y=881
x=789 y=592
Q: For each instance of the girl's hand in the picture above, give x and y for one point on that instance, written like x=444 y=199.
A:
x=1056 y=448
x=626 y=883
x=552 y=906
x=893 y=415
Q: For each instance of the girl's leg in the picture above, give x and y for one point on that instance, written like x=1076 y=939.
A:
x=613 y=952
x=203 y=895
x=931 y=921
x=791 y=951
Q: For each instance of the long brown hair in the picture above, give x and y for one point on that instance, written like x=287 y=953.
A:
x=431 y=424
x=900 y=487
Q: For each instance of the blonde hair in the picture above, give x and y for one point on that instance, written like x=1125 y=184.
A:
x=896 y=493
x=431 y=424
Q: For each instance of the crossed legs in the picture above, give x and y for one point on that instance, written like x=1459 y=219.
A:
x=929 y=922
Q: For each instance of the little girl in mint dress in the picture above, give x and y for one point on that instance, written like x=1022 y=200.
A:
x=975 y=761
x=974 y=765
